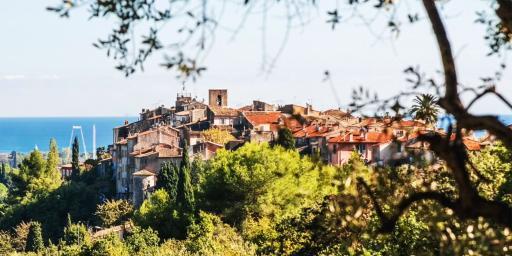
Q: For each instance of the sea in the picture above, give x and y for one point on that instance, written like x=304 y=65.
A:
x=24 y=134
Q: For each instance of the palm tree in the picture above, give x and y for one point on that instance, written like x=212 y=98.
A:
x=426 y=108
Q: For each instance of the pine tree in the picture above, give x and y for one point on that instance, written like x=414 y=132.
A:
x=34 y=165
x=52 y=162
x=75 y=164
x=168 y=179
x=34 y=238
x=75 y=234
x=285 y=138
x=185 y=193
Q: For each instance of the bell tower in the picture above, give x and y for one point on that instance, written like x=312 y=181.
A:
x=218 y=97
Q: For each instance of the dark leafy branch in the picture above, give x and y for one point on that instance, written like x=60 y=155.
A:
x=191 y=25
x=468 y=204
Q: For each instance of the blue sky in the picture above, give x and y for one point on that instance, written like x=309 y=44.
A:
x=48 y=66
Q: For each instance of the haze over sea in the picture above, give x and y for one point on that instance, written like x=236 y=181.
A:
x=23 y=134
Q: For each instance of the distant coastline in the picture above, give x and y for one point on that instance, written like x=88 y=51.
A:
x=23 y=134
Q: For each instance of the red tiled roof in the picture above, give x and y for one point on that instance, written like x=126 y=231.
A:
x=368 y=137
x=368 y=121
x=470 y=144
x=408 y=124
x=378 y=137
x=262 y=117
x=312 y=131
x=339 y=139
x=293 y=124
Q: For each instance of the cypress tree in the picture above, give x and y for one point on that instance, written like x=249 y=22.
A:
x=184 y=197
x=34 y=238
x=168 y=179
x=285 y=138
x=3 y=177
x=185 y=193
x=75 y=164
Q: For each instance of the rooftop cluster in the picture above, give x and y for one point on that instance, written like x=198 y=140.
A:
x=199 y=129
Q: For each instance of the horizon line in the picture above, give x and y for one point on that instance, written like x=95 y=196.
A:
x=69 y=116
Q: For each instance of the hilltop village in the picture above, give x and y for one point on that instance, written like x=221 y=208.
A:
x=164 y=134
x=203 y=178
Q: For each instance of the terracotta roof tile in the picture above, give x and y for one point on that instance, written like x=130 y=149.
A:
x=314 y=130
x=378 y=137
x=471 y=145
x=262 y=117
x=368 y=137
x=293 y=124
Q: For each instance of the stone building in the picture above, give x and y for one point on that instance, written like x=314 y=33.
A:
x=262 y=106
x=261 y=126
x=143 y=151
x=299 y=110
x=206 y=150
x=218 y=97
x=144 y=182
x=223 y=117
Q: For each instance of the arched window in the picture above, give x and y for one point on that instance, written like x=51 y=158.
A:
x=219 y=100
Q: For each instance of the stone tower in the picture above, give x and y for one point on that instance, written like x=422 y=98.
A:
x=218 y=97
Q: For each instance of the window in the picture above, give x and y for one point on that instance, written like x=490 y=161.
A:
x=219 y=100
x=361 y=148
